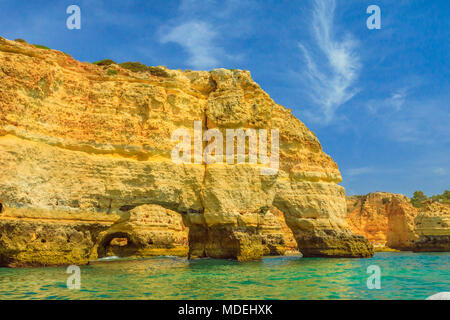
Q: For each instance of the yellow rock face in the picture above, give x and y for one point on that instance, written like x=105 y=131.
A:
x=391 y=220
x=76 y=139
x=433 y=228
x=385 y=219
x=149 y=230
x=277 y=236
x=40 y=237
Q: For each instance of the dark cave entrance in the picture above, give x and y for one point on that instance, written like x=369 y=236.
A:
x=117 y=244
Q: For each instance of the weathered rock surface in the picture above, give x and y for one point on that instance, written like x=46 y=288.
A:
x=367 y=216
x=385 y=219
x=34 y=237
x=79 y=139
x=433 y=228
x=149 y=230
x=277 y=237
x=391 y=220
x=401 y=233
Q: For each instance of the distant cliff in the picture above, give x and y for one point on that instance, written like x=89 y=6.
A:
x=390 y=220
x=433 y=227
x=87 y=169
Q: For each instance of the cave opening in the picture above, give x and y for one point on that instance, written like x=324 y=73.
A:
x=289 y=241
x=117 y=244
x=1 y=207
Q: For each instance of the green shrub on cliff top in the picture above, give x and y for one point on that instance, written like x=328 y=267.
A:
x=158 y=72
x=442 y=198
x=105 y=62
x=418 y=199
x=134 y=66
x=112 y=72
x=139 y=67
x=40 y=46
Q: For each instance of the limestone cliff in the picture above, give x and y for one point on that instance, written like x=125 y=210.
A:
x=385 y=219
x=391 y=220
x=83 y=140
x=433 y=228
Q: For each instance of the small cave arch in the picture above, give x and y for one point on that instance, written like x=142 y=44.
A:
x=118 y=244
x=1 y=207
x=290 y=241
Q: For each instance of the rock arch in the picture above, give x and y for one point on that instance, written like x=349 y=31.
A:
x=148 y=230
x=107 y=247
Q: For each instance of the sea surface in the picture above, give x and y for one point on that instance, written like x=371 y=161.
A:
x=404 y=275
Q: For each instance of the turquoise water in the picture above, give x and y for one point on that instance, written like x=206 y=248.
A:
x=403 y=276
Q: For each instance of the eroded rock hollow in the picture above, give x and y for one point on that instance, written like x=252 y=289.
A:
x=85 y=160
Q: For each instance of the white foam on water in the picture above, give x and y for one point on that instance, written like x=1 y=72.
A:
x=108 y=258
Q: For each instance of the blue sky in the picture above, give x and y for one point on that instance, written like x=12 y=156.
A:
x=377 y=99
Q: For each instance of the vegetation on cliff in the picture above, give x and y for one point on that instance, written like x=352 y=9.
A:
x=419 y=198
x=133 y=66
x=105 y=62
x=139 y=67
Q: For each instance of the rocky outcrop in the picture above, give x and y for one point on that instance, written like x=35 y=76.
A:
x=433 y=228
x=385 y=219
x=82 y=138
x=148 y=230
x=401 y=233
x=390 y=220
x=35 y=237
x=368 y=216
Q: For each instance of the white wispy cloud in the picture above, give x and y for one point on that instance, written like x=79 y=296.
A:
x=440 y=171
x=395 y=101
x=198 y=39
x=203 y=29
x=332 y=64
x=420 y=121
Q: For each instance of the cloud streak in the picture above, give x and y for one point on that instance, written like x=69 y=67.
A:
x=204 y=28
x=197 y=38
x=332 y=65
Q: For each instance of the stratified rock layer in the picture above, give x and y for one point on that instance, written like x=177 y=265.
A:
x=433 y=228
x=35 y=237
x=385 y=219
x=77 y=138
x=149 y=230
x=391 y=220
x=277 y=237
